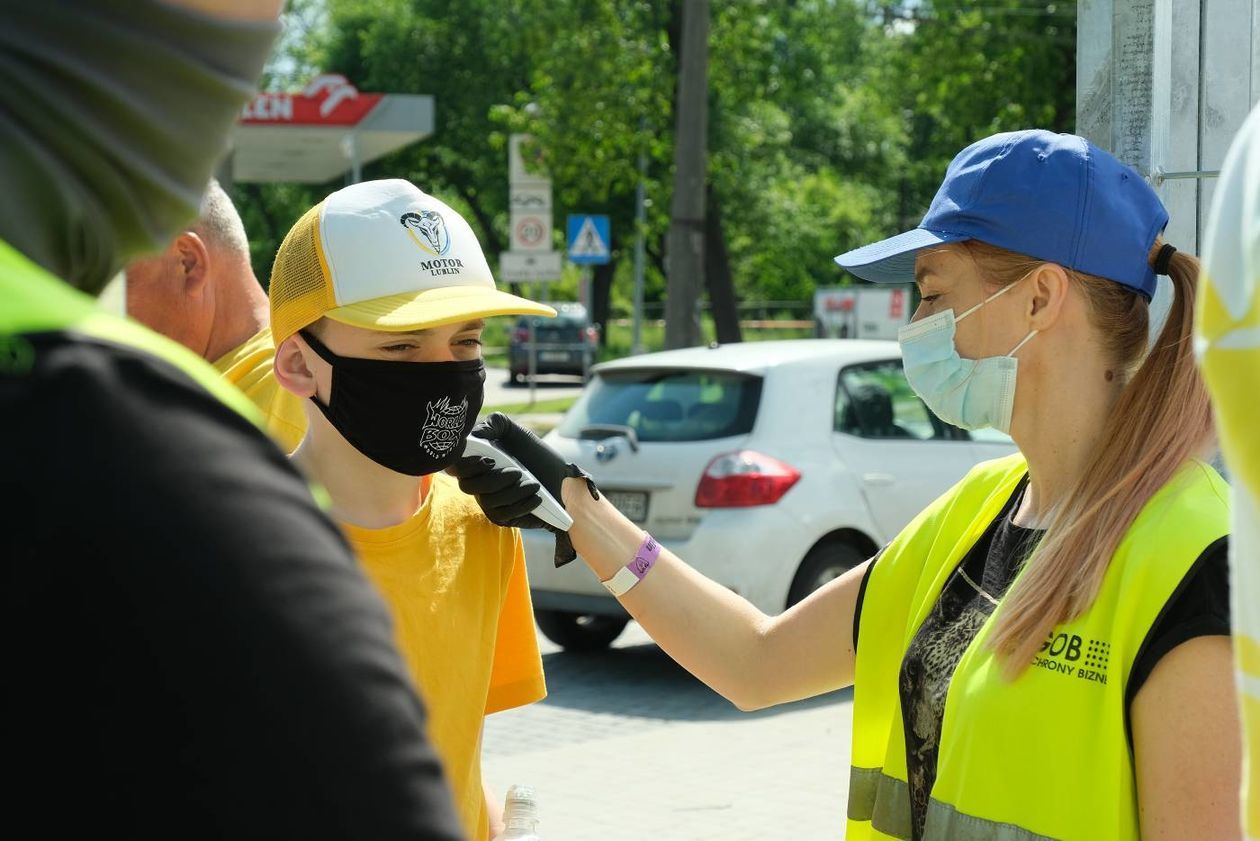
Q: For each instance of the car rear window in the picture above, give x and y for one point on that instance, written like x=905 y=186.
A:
x=565 y=326
x=676 y=405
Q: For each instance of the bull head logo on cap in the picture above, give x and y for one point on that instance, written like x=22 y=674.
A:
x=432 y=229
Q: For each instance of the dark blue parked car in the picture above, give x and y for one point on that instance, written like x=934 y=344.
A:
x=567 y=344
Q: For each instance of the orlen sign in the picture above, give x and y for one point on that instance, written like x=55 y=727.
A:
x=329 y=100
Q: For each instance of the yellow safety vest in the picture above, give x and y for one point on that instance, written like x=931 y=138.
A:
x=1047 y=755
x=32 y=301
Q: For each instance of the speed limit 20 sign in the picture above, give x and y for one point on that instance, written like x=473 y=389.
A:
x=531 y=232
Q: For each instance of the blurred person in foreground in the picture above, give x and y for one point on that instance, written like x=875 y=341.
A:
x=201 y=291
x=193 y=652
x=1229 y=347
x=379 y=295
x=1044 y=651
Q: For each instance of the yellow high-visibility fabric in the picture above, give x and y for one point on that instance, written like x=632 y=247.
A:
x=35 y=301
x=1229 y=346
x=1044 y=756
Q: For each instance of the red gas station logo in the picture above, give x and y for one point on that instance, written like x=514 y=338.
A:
x=329 y=99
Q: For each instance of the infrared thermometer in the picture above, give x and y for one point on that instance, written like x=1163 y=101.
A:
x=548 y=509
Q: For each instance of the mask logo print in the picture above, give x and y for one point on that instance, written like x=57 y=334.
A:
x=427 y=229
x=443 y=426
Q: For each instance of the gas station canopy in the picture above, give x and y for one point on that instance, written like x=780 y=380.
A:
x=328 y=129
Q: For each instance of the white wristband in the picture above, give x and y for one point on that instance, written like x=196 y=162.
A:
x=632 y=573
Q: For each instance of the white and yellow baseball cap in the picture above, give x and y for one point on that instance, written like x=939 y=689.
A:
x=386 y=256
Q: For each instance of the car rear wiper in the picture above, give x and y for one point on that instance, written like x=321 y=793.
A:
x=602 y=431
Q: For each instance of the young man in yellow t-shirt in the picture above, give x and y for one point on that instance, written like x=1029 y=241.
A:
x=378 y=296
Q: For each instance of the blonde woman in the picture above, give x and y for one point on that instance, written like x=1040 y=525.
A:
x=1043 y=651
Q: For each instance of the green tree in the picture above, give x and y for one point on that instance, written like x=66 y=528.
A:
x=800 y=148
x=796 y=139
x=959 y=71
x=831 y=121
x=598 y=96
x=471 y=56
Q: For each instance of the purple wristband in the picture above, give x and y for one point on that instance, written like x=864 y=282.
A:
x=645 y=558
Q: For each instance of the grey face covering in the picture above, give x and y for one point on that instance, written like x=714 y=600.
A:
x=113 y=115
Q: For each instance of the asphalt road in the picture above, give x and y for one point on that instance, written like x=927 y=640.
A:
x=499 y=392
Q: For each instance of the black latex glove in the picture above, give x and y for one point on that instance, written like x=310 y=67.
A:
x=535 y=456
x=508 y=496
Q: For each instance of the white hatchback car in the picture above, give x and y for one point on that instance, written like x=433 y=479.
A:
x=771 y=467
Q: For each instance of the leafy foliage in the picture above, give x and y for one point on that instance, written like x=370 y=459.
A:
x=831 y=121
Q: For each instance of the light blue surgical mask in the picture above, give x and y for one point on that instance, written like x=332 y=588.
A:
x=969 y=393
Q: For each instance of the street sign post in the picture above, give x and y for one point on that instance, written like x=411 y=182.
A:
x=530 y=266
x=525 y=166
x=530 y=205
x=529 y=258
x=531 y=232
x=589 y=239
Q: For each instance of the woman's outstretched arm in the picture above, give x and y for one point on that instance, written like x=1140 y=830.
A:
x=751 y=659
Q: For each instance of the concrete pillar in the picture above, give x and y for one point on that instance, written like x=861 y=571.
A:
x=1164 y=85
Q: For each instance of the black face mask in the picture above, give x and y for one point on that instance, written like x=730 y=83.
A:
x=412 y=417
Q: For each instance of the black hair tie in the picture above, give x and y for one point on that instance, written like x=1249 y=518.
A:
x=1163 y=258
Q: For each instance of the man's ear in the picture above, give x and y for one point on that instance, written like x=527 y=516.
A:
x=1049 y=283
x=194 y=259
x=292 y=371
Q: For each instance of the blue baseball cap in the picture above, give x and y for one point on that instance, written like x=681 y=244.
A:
x=1055 y=197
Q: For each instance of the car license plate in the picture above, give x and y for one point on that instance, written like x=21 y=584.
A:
x=633 y=504
x=553 y=356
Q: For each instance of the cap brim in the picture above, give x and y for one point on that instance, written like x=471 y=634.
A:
x=434 y=308
x=892 y=260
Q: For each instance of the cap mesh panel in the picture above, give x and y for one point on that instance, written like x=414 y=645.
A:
x=301 y=290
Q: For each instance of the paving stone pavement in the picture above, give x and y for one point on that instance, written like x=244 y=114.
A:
x=628 y=746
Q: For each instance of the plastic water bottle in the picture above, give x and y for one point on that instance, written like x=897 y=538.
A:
x=520 y=815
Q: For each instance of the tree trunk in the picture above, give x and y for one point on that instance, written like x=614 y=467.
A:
x=601 y=298
x=717 y=272
x=685 y=244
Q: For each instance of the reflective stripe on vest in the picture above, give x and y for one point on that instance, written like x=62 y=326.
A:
x=870 y=790
x=1044 y=756
x=33 y=301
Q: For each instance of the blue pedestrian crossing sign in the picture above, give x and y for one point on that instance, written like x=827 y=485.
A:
x=589 y=238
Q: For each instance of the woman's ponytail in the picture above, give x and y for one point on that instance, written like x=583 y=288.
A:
x=1161 y=418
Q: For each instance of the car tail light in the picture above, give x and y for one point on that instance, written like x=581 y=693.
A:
x=592 y=335
x=744 y=479
x=520 y=335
